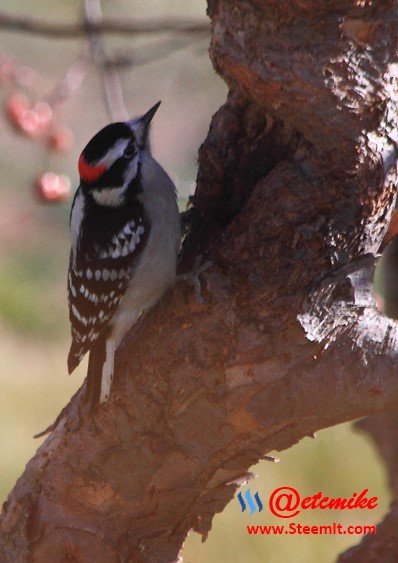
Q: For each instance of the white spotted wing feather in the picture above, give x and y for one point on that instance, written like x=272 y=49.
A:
x=97 y=281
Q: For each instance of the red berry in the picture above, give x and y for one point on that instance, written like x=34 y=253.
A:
x=44 y=113
x=52 y=188
x=60 y=139
x=16 y=105
x=33 y=121
x=29 y=123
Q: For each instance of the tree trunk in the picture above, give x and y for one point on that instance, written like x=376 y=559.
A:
x=295 y=189
x=390 y=259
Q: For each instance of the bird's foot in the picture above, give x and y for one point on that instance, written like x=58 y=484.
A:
x=193 y=276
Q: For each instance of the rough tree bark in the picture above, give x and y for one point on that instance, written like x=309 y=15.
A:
x=295 y=189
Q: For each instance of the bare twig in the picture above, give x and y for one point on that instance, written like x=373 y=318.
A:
x=112 y=87
x=152 y=52
x=109 y=26
x=71 y=81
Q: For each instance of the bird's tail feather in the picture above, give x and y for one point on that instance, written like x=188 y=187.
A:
x=100 y=371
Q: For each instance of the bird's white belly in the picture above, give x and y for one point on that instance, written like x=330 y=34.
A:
x=155 y=272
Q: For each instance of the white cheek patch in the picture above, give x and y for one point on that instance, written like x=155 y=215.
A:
x=114 y=196
x=110 y=197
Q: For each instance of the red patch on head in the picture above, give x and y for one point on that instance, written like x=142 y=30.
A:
x=90 y=173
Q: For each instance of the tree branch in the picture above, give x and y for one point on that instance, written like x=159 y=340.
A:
x=110 y=26
x=295 y=189
x=111 y=86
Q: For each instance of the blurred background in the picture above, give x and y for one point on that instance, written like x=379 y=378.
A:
x=52 y=102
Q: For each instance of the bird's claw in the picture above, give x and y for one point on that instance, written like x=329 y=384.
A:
x=193 y=276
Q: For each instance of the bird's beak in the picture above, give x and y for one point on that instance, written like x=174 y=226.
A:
x=147 y=118
x=140 y=125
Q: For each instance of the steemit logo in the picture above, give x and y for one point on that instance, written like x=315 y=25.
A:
x=249 y=500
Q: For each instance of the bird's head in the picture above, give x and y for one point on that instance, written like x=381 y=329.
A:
x=110 y=161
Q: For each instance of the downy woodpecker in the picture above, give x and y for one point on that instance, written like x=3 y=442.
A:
x=125 y=232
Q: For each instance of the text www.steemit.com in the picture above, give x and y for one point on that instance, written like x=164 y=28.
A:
x=301 y=529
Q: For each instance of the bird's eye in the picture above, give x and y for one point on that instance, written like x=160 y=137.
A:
x=131 y=150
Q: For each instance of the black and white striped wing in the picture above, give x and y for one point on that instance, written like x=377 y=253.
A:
x=98 y=277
